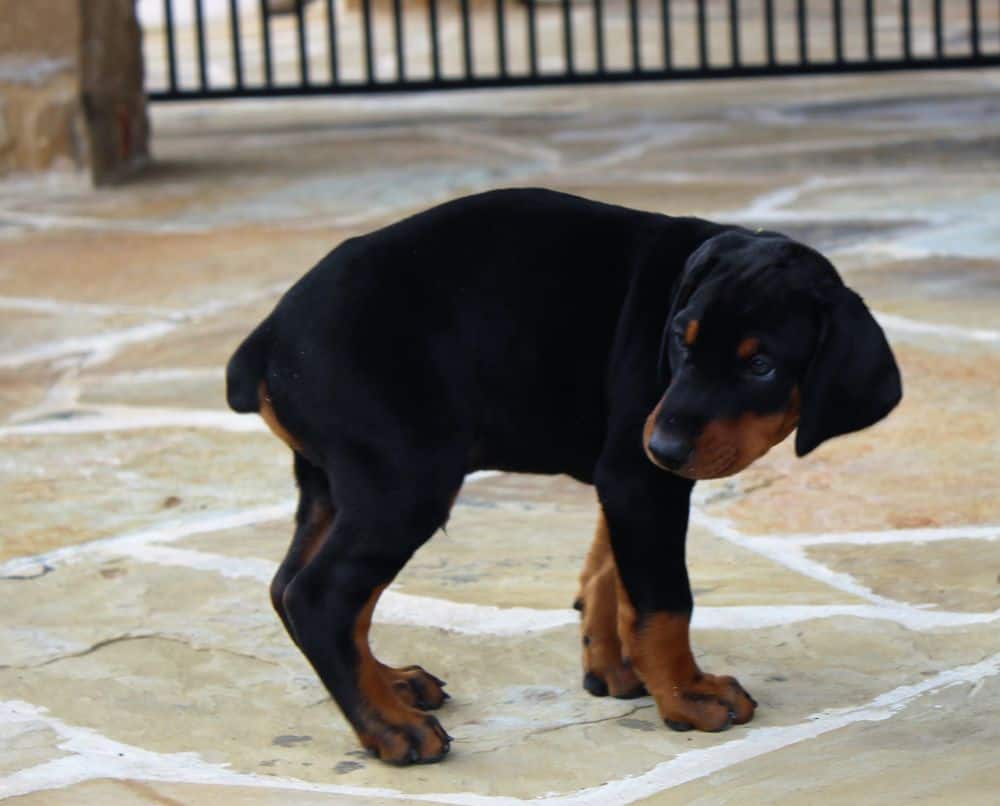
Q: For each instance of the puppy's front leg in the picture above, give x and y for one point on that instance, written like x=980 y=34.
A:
x=647 y=518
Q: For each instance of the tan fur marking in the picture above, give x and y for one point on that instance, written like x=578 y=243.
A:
x=728 y=446
x=387 y=723
x=660 y=651
x=602 y=650
x=691 y=332
x=599 y=552
x=370 y=681
x=376 y=690
x=269 y=417
x=748 y=347
x=661 y=647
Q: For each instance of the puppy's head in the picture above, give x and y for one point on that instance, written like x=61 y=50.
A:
x=763 y=337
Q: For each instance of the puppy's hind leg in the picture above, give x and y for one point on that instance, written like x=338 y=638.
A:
x=329 y=605
x=313 y=523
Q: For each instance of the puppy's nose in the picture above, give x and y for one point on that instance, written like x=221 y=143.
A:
x=670 y=449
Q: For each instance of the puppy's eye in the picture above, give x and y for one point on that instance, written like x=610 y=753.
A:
x=761 y=366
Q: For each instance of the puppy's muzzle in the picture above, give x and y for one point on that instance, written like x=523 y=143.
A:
x=670 y=449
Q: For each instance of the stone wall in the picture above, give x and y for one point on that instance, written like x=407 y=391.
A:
x=71 y=94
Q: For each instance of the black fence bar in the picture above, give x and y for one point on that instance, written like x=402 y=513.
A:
x=870 y=29
x=501 y=22
x=974 y=27
x=368 y=35
x=907 y=22
x=734 y=33
x=599 y=55
x=567 y=25
x=398 y=35
x=234 y=30
x=532 y=37
x=938 y=30
x=300 y=29
x=354 y=55
x=432 y=22
x=702 y=35
x=199 y=27
x=466 y=39
x=838 y=31
x=668 y=48
x=265 y=43
x=168 y=21
x=633 y=23
x=331 y=37
x=769 y=31
x=803 y=27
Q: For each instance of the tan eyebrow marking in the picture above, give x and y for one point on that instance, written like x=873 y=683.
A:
x=691 y=332
x=748 y=347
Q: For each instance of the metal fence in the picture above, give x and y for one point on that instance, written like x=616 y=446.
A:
x=237 y=48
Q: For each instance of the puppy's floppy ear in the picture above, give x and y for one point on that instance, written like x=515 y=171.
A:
x=853 y=381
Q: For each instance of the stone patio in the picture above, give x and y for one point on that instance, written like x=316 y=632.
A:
x=855 y=593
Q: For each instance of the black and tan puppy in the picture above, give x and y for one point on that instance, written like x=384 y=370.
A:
x=531 y=331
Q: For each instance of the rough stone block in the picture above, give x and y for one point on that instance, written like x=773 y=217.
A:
x=71 y=88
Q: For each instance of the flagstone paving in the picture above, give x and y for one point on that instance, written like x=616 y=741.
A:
x=856 y=593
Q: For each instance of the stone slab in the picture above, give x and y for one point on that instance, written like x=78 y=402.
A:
x=962 y=575
x=66 y=489
x=939 y=750
x=191 y=670
x=175 y=272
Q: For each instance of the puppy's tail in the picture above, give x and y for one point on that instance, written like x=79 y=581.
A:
x=246 y=369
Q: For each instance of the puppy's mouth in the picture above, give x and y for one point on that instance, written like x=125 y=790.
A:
x=722 y=448
x=719 y=462
x=713 y=461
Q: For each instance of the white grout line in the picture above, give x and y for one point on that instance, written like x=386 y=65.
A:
x=100 y=419
x=791 y=554
x=879 y=537
x=396 y=607
x=45 y=221
x=902 y=324
x=99 y=348
x=48 y=305
x=166 y=533
x=393 y=607
x=162 y=533
x=94 y=349
x=695 y=764
x=94 y=756
x=755 y=617
x=407 y=609
x=156 y=374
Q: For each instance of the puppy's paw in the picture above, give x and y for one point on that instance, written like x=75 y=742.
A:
x=418 y=738
x=614 y=678
x=416 y=687
x=706 y=702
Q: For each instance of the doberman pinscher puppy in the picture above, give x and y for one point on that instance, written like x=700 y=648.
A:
x=537 y=332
